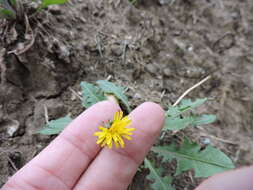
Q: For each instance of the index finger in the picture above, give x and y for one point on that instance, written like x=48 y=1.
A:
x=114 y=168
x=60 y=164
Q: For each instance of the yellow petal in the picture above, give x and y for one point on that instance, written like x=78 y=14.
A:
x=103 y=144
x=114 y=134
x=115 y=138
x=126 y=119
x=121 y=142
x=108 y=139
x=103 y=129
x=127 y=137
x=120 y=115
x=100 y=140
x=130 y=129
x=98 y=133
x=110 y=145
x=116 y=144
x=116 y=116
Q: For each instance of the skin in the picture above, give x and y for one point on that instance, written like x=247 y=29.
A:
x=240 y=179
x=73 y=161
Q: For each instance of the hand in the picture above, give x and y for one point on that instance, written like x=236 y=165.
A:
x=73 y=161
x=241 y=179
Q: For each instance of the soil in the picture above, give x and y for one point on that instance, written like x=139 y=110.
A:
x=157 y=48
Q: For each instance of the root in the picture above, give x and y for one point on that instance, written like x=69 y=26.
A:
x=2 y=67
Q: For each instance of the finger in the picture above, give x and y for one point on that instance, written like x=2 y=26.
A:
x=114 y=168
x=240 y=179
x=60 y=164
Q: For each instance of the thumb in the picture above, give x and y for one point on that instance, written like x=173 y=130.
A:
x=241 y=179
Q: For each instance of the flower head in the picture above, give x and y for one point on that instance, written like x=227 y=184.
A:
x=115 y=131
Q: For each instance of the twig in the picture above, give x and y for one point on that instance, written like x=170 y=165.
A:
x=162 y=94
x=99 y=45
x=46 y=114
x=126 y=89
x=190 y=89
x=19 y=9
x=125 y=45
x=2 y=66
x=109 y=77
x=75 y=93
x=29 y=36
x=2 y=151
x=12 y=163
x=108 y=35
x=237 y=155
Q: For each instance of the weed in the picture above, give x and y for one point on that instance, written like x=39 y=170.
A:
x=189 y=155
x=9 y=9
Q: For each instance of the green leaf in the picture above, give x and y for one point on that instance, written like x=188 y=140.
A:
x=189 y=104
x=204 y=119
x=205 y=163
x=185 y=105
x=13 y=2
x=178 y=123
x=118 y=91
x=55 y=126
x=91 y=94
x=46 y=3
x=6 y=10
x=173 y=111
x=181 y=123
x=5 y=13
x=155 y=175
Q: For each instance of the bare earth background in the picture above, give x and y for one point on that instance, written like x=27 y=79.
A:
x=158 y=51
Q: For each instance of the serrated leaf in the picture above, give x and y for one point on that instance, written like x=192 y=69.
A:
x=204 y=119
x=155 y=175
x=185 y=105
x=118 y=91
x=205 y=162
x=181 y=123
x=55 y=126
x=189 y=104
x=173 y=111
x=91 y=94
x=46 y=3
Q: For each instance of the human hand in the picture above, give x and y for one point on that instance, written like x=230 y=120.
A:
x=73 y=161
x=241 y=179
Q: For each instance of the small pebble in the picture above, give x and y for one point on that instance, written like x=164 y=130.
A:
x=12 y=127
x=137 y=96
x=206 y=141
x=55 y=9
x=167 y=72
x=152 y=68
x=116 y=50
x=164 y=2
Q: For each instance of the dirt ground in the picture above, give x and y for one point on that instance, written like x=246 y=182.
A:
x=156 y=48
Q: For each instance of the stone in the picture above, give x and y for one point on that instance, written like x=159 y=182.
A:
x=152 y=68
x=167 y=72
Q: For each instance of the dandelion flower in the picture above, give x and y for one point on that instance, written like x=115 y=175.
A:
x=115 y=131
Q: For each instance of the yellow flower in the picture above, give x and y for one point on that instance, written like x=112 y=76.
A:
x=115 y=132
